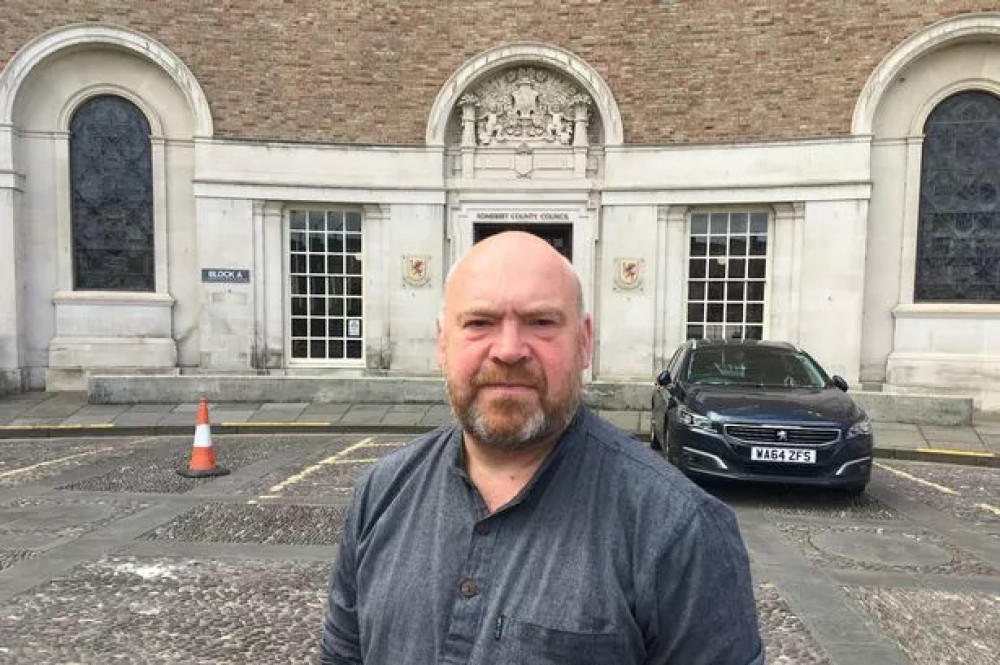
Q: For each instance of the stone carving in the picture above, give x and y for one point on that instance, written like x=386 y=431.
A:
x=525 y=106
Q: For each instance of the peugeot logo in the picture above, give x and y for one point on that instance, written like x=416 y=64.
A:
x=782 y=435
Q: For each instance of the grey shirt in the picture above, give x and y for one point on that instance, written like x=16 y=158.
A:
x=607 y=556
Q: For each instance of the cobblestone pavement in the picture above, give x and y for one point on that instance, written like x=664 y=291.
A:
x=108 y=555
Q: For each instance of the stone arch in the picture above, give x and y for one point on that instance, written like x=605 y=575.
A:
x=24 y=61
x=944 y=33
x=536 y=54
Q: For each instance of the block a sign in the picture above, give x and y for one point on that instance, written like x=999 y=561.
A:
x=225 y=275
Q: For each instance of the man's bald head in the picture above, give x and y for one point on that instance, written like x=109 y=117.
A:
x=507 y=251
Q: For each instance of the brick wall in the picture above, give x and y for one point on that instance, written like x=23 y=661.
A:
x=681 y=70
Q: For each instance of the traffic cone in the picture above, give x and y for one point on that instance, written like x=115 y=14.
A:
x=202 y=463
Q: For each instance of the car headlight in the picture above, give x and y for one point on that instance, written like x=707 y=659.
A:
x=689 y=418
x=861 y=428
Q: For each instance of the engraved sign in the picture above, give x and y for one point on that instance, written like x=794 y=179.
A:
x=354 y=327
x=514 y=216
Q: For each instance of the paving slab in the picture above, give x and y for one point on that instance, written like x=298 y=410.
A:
x=325 y=410
x=950 y=434
x=405 y=415
x=364 y=414
x=140 y=419
x=626 y=420
x=438 y=414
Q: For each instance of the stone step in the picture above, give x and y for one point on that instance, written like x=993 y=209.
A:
x=613 y=396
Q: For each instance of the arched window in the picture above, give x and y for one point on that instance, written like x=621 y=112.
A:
x=958 y=242
x=112 y=196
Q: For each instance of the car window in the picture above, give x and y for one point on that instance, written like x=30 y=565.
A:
x=754 y=366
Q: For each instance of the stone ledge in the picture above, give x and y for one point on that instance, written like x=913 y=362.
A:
x=624 y=396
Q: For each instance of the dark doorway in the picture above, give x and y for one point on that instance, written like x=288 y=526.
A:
x=560 y=236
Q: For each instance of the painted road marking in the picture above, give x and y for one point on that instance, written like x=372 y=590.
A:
x=903 y=474
x=941 y=488
x=967 y=453
x=277 y=423
x=273 y=491
x=81 y=426
x=988 y=508
x=26 y=469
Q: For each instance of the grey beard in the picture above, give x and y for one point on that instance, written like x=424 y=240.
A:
x=538 y=427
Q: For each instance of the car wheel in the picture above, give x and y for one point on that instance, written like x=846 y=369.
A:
x=855 y=490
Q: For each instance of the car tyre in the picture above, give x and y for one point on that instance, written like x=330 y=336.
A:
x=855 y=490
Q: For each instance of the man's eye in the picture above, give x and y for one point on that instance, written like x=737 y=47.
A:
x=543 y=322
x=476 y=324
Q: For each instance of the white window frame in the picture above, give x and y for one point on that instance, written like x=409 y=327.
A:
x=290 y=360
x=768 y=262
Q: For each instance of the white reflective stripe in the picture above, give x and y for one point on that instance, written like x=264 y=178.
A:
x=202 y=436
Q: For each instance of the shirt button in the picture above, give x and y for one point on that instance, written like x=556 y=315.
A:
x=468 y=587
x=481 y=528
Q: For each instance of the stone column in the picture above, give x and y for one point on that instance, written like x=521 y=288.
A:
x=10 y=338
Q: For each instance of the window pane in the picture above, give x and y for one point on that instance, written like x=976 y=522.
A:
x=337 y=348
x=336 y=285
x=353 y=349
x=695 y=332
x=353 y=265
x=298 y=327
x=336 y=327
x=717 y=246
x=336 y=220
x=300 y=348
x=738 y=222
x=758 y=245
x=734 y=312
x=353 y=243
x=699 y=223
x=353 y=220
x=699 y=246
x=354 y=307
x=298 y=306
x=755 y=313
x=696 y=268
x=758 y=223
x=713 y=313
x=717 y=269
x=317 y=327
x=296 y=221
x=298 y=263
x=696 y=312
x=317 y=220
x=756 y=268
x=737 y=246
x=716 y=290
x=755 y=291
x=696 y=291
x=111 y=196
x=737 y=268
x=719 y=223
x=958 y=235
x=754 y=332
x=317 y=348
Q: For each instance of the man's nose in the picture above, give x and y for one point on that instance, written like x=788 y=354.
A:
x=509 y=347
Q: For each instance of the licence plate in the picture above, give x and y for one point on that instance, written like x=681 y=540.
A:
x=788 y=455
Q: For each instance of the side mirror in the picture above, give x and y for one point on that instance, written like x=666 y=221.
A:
x=663 y=379
x=839 y=382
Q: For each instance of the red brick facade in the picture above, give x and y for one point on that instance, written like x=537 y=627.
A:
x=681 y=70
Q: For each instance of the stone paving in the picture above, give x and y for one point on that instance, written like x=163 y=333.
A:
x=107 y=555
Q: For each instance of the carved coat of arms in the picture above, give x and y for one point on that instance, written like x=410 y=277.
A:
x=628 y=273
x=416 y=270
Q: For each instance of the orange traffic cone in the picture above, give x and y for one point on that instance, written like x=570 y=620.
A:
x=202 y=463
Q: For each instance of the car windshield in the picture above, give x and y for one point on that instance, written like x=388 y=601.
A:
x=754 y=366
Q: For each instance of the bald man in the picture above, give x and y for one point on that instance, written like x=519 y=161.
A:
x=532 y=532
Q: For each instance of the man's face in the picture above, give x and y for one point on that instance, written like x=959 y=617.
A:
x=512 y=342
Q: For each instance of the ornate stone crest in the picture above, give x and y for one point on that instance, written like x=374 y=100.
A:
x=628 y=274
x=525 y=106
x=416 y=270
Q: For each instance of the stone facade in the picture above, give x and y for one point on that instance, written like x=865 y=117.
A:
x=609 y=126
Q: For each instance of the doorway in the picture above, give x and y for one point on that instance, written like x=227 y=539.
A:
x=560 y=236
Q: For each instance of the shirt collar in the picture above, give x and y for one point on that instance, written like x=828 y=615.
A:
x=459 y=466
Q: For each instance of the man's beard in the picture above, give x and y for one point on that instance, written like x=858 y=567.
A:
x=513 y=423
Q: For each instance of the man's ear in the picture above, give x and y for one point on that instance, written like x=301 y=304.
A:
x=439 y=331
x=587 y=340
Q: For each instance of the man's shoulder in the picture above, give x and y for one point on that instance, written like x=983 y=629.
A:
x=428 y=448
x=644 y=471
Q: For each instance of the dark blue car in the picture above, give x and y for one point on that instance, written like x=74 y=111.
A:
x=761 y=411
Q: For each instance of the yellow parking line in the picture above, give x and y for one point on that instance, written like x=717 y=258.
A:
x=277 y=423
x=332 y=459
x=969 y=453
x=83 y=426
x=25 y=469
x=988 y=508
x=903 y=474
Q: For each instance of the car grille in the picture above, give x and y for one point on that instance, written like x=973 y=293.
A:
x=807 y=436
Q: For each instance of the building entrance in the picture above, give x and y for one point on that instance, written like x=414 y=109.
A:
x=560 y=236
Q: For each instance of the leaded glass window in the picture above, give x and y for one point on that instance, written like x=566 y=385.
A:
x=112 y=196
x=727 y=271
x=958 y=242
